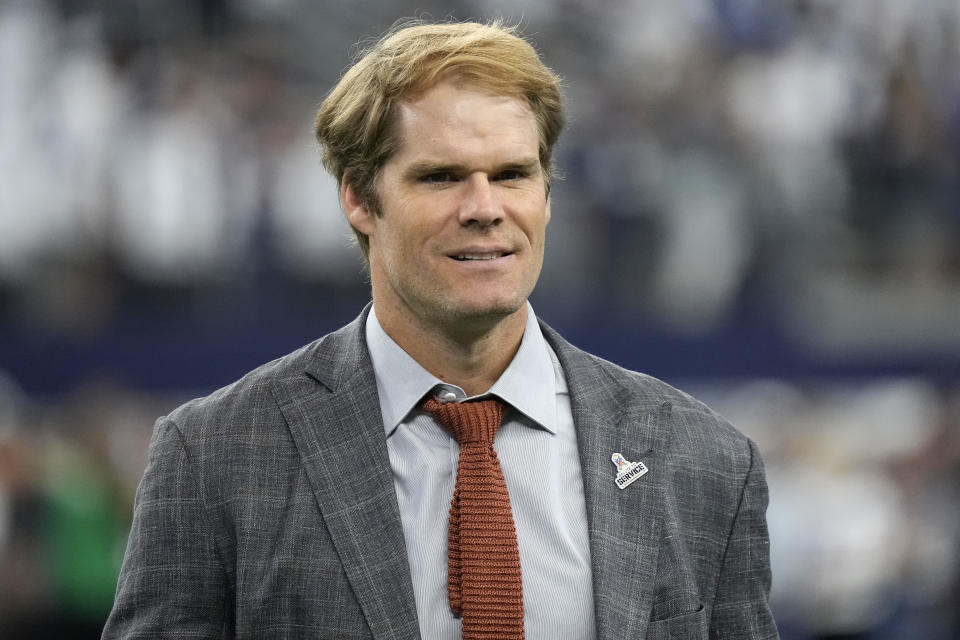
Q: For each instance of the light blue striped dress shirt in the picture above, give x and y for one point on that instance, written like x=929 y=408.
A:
x=537 y=448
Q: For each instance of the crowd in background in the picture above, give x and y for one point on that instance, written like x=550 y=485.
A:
x=771 y=183
x=806 y=150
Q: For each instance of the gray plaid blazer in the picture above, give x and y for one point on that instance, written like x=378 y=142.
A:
x=267 y=510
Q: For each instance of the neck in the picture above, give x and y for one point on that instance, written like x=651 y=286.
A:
x=471 y=355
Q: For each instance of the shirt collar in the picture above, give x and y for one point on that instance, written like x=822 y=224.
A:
x=528 y=384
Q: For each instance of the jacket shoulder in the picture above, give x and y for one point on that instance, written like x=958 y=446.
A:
x=693 y=425
x=249 y=407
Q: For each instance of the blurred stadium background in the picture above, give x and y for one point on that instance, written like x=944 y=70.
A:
x=760 y=203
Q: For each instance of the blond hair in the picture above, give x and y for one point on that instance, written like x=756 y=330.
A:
x=355 y=124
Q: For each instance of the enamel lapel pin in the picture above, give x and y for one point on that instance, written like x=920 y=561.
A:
x=627 y=471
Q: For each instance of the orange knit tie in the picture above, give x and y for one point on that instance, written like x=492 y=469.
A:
x=484 y=563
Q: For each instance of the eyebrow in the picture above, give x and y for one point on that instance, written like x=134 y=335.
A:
x=426 y=167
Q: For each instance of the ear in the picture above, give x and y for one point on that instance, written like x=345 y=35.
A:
x=355 y=208
x=547 y=209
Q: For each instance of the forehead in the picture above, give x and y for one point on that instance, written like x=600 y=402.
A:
x=452 y=120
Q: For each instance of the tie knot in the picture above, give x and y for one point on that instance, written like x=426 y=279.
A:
x=473 y=421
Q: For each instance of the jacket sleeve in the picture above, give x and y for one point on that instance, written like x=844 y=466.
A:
x=741 y=609
x=172 y=583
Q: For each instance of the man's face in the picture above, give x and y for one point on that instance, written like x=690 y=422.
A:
x=464 y=209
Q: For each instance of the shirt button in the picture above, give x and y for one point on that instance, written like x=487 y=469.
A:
x=448 y=396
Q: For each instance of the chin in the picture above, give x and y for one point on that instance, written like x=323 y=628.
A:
x=490 y=310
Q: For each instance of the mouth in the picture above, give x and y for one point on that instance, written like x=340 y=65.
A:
x=488 y=255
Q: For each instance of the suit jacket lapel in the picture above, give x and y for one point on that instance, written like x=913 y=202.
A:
x=336 y=424
x=624 y=524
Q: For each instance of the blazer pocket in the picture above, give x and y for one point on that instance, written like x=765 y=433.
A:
x=687 y=626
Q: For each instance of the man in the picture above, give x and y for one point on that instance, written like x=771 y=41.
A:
x=311 y=497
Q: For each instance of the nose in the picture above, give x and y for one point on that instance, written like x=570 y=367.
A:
x=479 y=205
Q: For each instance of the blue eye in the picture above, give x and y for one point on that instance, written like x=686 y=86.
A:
x=438 y=178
